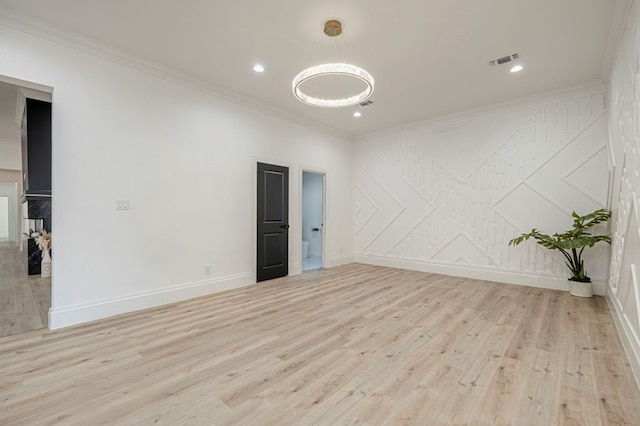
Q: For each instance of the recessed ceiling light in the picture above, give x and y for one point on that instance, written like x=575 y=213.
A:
x=516 y=68
x=258 y=68
x=357 y=114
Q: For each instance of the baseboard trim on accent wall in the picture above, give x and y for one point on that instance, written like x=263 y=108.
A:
x=630 y=341
x=539 y=281
x=66 y=316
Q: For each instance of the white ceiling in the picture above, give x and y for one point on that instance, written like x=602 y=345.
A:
x=428 y=57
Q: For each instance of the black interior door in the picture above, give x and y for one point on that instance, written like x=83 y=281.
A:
x=273 y=222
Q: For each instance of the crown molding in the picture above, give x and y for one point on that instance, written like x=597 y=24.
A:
x=53 y=33
x=569 y=92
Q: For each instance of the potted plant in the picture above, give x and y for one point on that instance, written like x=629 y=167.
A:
x=571 y=244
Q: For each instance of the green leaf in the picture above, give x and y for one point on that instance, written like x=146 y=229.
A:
x=575 y=239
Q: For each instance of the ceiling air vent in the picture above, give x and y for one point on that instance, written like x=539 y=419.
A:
x=365 y=103
x=504 y=60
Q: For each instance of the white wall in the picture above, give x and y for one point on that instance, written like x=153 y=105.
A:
x=4 y=217
x=9 y=128
x=181 y=157
x=446 y=196
x=312 y=212
x=11 y=187
x=624 y=122
x=10 y=220
x=10 y=155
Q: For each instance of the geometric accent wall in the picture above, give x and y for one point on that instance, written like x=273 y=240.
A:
x=624 y=121
x=452 y=194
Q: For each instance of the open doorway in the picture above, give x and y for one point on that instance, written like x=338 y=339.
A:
x=312 y=221
x=25 y=205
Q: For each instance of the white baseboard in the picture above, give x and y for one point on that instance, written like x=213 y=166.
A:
x=630 y=341
x=488 y=274
x=339 y=261
x=65 y=316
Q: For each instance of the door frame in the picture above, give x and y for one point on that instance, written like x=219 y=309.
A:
x=295 y=212
x=325 y=225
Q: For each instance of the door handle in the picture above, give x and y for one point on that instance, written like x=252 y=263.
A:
x=284 y=226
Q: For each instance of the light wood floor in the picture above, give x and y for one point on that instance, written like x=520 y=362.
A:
x=350 y=345
x=24 y=300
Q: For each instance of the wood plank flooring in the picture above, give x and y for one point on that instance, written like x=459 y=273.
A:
x=24 y=300
x=350 y=345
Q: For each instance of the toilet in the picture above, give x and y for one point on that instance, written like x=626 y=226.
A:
x=305 y=249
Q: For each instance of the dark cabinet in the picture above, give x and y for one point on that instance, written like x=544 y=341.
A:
x=36 y=147
x=33 y=256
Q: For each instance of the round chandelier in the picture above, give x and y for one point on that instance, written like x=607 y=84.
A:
x=332 y=28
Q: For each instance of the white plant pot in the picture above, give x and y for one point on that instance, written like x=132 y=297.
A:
x=577 y=288
x=45 y=265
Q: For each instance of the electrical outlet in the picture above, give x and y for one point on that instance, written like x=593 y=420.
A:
x=122 y=204
x=207 y=269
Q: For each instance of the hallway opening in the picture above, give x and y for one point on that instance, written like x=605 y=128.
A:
x=312 y=221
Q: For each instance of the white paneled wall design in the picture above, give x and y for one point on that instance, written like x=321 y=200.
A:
x=448 y=196
x=624 y=122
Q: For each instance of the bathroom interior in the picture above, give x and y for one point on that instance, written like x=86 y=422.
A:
x=312 y=220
